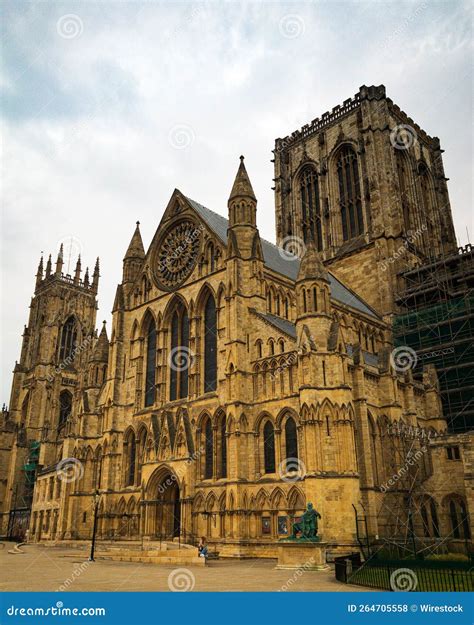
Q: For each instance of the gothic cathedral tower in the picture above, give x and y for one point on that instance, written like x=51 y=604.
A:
x=55 y=351
x=367 y=184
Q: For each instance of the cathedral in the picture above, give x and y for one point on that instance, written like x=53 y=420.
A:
x=239 y=380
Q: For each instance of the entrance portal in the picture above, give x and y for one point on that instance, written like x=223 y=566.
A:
x=168 y=508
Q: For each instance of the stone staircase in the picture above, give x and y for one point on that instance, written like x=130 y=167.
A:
x=152 y=552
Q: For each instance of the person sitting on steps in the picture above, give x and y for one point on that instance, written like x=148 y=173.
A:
x=202 y=548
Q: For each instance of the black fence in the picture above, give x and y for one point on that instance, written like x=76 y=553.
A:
x=406 y=575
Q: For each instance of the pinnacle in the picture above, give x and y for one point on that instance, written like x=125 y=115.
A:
x=242 y=186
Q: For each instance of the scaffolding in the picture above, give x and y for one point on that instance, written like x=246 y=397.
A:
x=30 y=469
x=436 y=320
x=407 y=462
x=19 y=515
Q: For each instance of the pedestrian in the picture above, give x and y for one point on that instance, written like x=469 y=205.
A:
x=202 y=548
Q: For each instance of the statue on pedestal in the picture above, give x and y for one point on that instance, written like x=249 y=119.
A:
x=308 y=525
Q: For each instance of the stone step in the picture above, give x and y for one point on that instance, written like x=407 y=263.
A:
x=161 y=558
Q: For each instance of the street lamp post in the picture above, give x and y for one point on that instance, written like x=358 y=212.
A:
x=94 y=526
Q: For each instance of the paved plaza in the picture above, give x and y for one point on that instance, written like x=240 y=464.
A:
x=41 y=568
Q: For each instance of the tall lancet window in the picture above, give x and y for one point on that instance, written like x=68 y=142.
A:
x=180 y=357
x=269 y=447
x=291 y=440
x=223 y=446
x=65 y=408
x=68 y=340
x=208 y=450
x=150 y=372
x=210 y=345
x=311 y=207
x=350 y=199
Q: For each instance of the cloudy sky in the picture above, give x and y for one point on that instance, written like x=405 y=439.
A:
x=108 y=106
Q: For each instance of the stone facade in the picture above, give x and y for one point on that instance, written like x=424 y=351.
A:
x=239 y=382
x=398 y=181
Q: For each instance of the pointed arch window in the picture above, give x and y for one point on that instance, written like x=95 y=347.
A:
x=150 y=381
x=406 y=189
x=459 y=519
x=350 y=199
x=434 y=519
x=465 y=520
x=425 y=190
x=130 y=457
x=291 y=440
x=65 y=408
x=210 y=345
x=428 y=214
x=209 y=450
x=141 y=448
x=68 y=339
x=424 y=516
x=269 y=447
x=179 y=360
x=454 y=519
x=24 y=407
x=223 y=447
x=311 y=206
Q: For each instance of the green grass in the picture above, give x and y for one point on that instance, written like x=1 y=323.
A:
x=441 y=580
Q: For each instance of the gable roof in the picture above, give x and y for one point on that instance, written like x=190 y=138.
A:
x=277 y=259
x=285 y=326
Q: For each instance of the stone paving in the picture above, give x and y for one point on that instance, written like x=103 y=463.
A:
x=41 y=568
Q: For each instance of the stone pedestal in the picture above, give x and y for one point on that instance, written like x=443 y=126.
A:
x=309 y=556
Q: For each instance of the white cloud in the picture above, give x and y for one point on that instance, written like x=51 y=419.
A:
x=87 y=119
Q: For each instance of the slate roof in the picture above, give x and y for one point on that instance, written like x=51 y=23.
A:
x=277 y=259
x=288 y=327
x=369 y=358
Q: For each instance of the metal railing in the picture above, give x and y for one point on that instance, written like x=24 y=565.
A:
x=419 y=576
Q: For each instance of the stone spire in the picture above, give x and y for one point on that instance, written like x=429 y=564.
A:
x=133 y=259
x=77 y=273
x=48 y=267
x=242 y=187
x=96 y=276
x=135 y=249
x=100 y=352
x=243 y=234
x=39 y=273
x=59 y=261
x=86 y=277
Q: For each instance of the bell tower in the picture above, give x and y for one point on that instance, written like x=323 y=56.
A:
x=367 y=184
x=56 y=345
